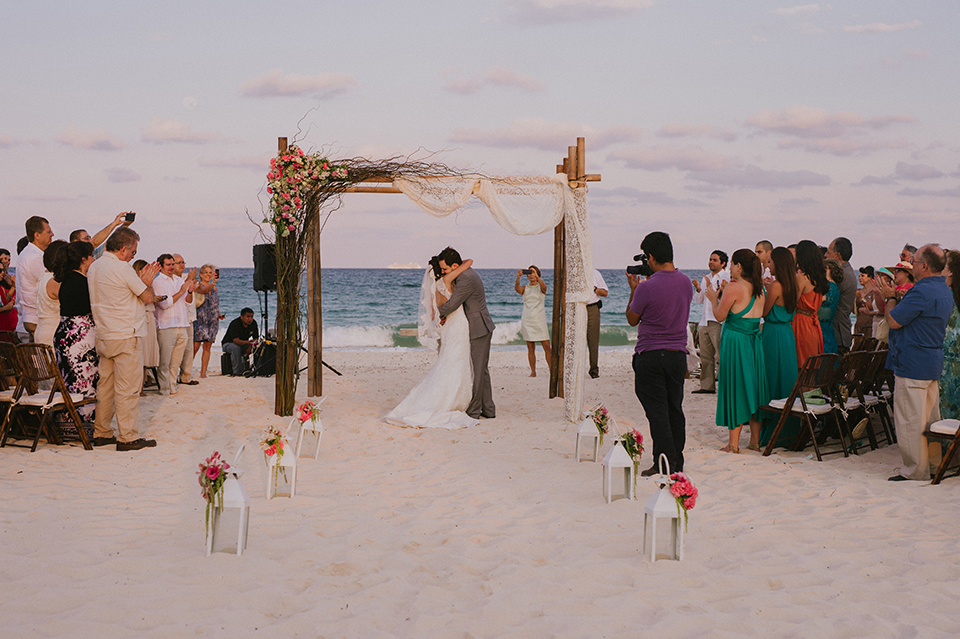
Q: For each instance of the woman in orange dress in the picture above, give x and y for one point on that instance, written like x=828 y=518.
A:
x=812 y=285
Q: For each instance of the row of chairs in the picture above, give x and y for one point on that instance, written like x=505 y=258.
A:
x=26 y=370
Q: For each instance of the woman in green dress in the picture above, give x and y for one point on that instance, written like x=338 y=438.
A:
x=950 y=379
x=779 y=343
x=743 y=380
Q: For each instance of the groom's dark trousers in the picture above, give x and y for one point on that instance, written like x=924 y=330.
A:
x=482 y=401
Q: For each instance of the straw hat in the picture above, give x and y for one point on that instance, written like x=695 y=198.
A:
x=906 y=267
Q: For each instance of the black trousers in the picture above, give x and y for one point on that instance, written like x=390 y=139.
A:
x=658 y=383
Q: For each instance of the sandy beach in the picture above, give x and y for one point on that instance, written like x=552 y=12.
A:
x=494 y=531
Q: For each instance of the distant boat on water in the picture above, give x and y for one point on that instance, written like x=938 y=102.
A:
x=407 y=265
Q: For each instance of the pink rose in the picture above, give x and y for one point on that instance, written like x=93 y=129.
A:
x=213 y=472
x=291 y=227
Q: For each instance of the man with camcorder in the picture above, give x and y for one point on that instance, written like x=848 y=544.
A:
x=661 y=306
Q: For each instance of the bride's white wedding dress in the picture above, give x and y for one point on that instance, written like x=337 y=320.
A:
x=440 y=399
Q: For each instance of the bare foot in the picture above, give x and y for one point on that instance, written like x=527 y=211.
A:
x=203 y=376
x=533 y=374
x=727 y=449
x=754 y=447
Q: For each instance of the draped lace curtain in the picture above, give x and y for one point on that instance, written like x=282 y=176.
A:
x=531 y=206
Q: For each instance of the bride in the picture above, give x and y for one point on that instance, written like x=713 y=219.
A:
x=440 y=399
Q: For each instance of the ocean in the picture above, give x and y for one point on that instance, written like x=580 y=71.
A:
x=364 y=309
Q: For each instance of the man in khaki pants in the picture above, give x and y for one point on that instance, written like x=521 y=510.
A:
x=117 y=296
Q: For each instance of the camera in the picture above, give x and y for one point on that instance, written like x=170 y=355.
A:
x=130 y=217
x=643 y=268
x=527 y=271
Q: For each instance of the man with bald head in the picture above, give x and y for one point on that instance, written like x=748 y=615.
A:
x=918 y=324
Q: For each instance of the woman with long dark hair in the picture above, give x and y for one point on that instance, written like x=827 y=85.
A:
x=74 y=341
x=779 y=344
x=950 y=379
x=812 y=286
x=742 y=387
x=828 y=310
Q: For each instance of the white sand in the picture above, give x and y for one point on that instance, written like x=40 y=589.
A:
x=494 y=531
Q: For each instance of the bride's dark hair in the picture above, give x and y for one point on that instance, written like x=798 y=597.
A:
x=435 y=265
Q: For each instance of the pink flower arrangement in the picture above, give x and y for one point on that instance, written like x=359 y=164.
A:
x=293 y=174
x=633 y=444
x=274 y=443
x=212 y=475
x=601 y=417
x=685 y=493
x=308 y=411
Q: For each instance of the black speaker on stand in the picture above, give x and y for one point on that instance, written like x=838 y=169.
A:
x=265 y=278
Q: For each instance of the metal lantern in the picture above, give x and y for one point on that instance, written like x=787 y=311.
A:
x=661 y=514
x=235 y=511
x=588 y=436
x=618 y=458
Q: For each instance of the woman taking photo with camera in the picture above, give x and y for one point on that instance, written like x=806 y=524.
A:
x=533 y=320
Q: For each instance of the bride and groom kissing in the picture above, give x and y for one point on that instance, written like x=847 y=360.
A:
x=456 y=391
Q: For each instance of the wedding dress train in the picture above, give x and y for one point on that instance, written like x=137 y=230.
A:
x=442 y=396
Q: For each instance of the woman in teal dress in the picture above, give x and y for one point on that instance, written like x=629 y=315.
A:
x=779 y=343
x=743 y=380
x=950 y=379
x=829 y=307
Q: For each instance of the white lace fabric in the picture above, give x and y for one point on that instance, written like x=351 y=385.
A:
x=531 y=206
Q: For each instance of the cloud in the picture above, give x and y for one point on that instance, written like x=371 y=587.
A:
x=539 y=133
x=843 y=147
x=41 y=198
x=811 y=122
x=880 y=27
x=636 y=196
x=96 y=140
x=274 y=83
x=162 y=130
x=680 y=130
x=916 y=53
x=917 y=172
x=8 y=141
x=799 y=201
x=955 y=192
x=254 y=163
x=753 y=177
x=685 y=158
x=119 y=174
x=805 y=9
x=872 y=180
x=541 y=12
x=494 y=76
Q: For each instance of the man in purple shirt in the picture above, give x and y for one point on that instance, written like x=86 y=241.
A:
x=661 y=306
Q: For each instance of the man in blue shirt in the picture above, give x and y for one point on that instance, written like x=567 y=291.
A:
x=918 y=325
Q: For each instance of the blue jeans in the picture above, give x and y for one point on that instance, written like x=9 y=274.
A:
x=237 y=356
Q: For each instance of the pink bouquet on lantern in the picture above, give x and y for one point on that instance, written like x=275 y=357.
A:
x=212 y=475
x=273 y=444
x=633 y=444
x=685 y=493
x=601 y=417
x=308 y=412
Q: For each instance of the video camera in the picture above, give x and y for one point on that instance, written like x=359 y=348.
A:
x=643 y=268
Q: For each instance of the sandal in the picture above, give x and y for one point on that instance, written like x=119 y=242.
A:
x=754 y=448
x=727 y=449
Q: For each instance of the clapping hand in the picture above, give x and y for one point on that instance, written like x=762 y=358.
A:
x=192 y=279
x=149 y=272
x=708 y=290
x=887 y=290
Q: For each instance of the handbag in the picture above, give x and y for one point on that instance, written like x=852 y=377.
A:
x=198 y=298
x=883 y=331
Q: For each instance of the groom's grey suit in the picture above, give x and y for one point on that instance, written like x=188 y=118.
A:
x=469 y=293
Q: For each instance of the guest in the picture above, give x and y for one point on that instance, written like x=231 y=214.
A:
x=866 y=303
x=189 y=354
x=8 y=294
x=841 y=250
x=907 y=253
x=533 y=320
x=48 y=291
x=172 y=320
x=743 y=379
x=117 y=297
x=81 y=235
x=903 y=277
x=29 y=271
x=918 y=326
x=812 y=285
x=950 y=379
x=151 y=347
x=593 y=322
x=828 y=309
x=710 y=329
x=763 y=249
x=661 y=307
x=779 y=344
x=207 y=326
x=880 y=327
x=238 y=342
x=75 y=342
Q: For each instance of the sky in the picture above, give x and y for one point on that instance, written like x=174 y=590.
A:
x=719 y=123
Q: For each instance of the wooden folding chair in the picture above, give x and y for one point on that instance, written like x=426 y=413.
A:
x=817 y=373
x=855 y=381
x=944 y=430
x=38 y=364
x=9 y=337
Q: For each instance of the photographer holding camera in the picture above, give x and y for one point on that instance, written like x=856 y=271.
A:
x=661 y=306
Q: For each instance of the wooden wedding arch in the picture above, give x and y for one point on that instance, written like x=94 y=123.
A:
x=574 y=166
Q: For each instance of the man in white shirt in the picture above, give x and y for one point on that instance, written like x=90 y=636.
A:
x=709 y=331
x=29 y=270
x=186 y=363
x=763 y=250
x=117 y=296
x=174 y=294
x=593 y=322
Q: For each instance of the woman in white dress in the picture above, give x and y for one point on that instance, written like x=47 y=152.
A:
x=442 y=396
x=533 y=321
x=48 y=296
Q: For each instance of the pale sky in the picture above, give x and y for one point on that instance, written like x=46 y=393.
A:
x=720 y=123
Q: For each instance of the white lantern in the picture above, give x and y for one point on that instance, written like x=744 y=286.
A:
x=616 y=460
x=588 y=436
x=235 y=512
x=286 y=468
x=661 y=514
x=315 y=427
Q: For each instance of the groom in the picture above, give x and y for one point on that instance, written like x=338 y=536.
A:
x=469 y=293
